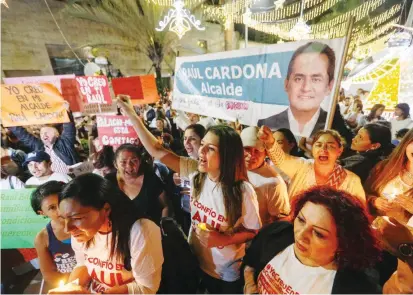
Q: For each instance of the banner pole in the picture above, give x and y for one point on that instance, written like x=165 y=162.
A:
x=349 y=29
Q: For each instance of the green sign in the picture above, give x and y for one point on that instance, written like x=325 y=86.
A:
x=19 y=224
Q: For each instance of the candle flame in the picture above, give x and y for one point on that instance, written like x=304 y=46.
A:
x=61 y=283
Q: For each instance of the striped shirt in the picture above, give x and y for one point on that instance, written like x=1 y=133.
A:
x=57 y=164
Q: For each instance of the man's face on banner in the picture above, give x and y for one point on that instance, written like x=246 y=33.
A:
x=308 y=83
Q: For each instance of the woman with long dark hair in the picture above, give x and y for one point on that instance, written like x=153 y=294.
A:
x=116 y=251
x=371 y=144
x=286 y=140
x=192 y=141
x=224 y=206
x=389 y=191
x=325 y=248
x=136 y=178
x=374 y=115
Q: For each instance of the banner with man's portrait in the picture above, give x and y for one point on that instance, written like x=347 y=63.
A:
x=289 y=85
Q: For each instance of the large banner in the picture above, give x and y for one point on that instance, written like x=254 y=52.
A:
x=32 y=104
x=289 y=85
x=115 y=130
x=19 y=224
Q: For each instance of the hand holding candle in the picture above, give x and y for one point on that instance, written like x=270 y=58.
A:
x=69 y=288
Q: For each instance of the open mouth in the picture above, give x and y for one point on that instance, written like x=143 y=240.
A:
x=323 y=158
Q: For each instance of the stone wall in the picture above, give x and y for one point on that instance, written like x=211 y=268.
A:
x=27 y=28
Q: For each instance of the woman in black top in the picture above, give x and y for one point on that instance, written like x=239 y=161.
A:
x=371 y=145
x=136 y=179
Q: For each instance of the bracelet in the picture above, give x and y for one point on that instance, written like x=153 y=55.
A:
x=406 y=250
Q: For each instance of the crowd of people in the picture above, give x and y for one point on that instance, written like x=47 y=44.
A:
x=264 y=211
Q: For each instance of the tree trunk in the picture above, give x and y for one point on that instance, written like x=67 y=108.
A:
x=159 y=82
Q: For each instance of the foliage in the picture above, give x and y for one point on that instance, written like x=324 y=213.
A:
x=134 y=19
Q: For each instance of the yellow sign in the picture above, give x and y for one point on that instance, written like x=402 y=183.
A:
x=32 y=104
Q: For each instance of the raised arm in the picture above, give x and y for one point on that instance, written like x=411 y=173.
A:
x=27 y=138
x=285 y=162
x=69 y=130
x=149 y=141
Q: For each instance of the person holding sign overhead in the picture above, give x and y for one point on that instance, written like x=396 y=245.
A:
x=310 y=78
x=60 y=147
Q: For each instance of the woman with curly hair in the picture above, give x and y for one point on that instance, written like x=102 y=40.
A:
x=325 y=248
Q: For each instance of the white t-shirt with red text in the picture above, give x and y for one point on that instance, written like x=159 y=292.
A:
x=220 y=262
x=285 y=274
x=146 y=260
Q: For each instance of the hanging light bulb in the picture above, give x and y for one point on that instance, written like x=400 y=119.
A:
x=300 y=30
x=179 y=20
x=279 y=4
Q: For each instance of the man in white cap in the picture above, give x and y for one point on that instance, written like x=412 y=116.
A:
x=270 y=187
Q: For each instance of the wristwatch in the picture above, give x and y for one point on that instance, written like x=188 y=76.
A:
x=406 y=250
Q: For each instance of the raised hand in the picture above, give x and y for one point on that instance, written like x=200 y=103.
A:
x=125 y=103
x=265 y=135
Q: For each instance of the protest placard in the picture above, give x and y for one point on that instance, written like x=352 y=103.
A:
x=19 y=224
x=94 y=89
x=141 y=89
x=115 y=130
x=54 y=80
x=289 y=85
x=71 y=93
x=32 y=104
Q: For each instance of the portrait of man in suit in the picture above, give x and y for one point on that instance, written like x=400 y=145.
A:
x=310 y=78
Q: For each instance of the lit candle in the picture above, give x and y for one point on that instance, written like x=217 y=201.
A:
x=61 y=283
x=391 y=196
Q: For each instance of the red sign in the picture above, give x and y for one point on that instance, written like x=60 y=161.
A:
x=70 y=93
x=141 y=89
x=94 y=89
x=115 y=130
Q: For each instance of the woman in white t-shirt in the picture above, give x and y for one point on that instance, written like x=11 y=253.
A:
x=224 y=207
x=116 y=251
x=390 y=193
x=325 y=249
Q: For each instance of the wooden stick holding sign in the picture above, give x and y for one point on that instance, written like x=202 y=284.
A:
x=350 y=23
x=32 y=104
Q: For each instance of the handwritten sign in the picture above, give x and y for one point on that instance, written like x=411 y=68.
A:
x=54 y=80
x=115 y=130
x=94 y=89
x=141 y=89
x=19 y=224
x=32 y=104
